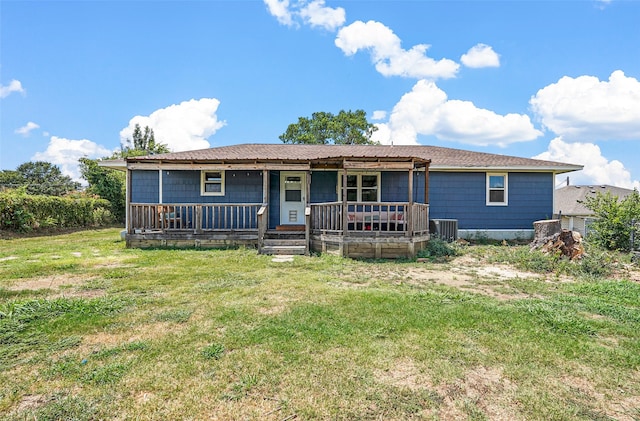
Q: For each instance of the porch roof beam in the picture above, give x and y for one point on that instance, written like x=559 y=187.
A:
x=378 y=165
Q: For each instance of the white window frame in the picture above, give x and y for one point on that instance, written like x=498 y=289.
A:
x=359 y=184
x=203 y=182
x=505 y=202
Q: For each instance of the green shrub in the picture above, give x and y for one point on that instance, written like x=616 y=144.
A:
x=23 y=212
x=438 y=249
x=613 y=224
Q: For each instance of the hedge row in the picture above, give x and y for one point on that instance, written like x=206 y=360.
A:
x=24 y=212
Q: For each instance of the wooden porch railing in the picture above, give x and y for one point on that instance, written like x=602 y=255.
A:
x=383 y=217
x=193 y=217
x=387 y=217
x=420 y=219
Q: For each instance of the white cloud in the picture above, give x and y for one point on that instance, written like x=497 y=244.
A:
x=182 y=127
x=26 y=129
x=379 y=115
x=13 y=86
x=66 y=152
x=317 y=14
x=280 y=10
x=314 y=13
x=597 y=168
x=387 y=54
x=602 y=4
x=480 y=55
x=585 y=108
x=427 y=111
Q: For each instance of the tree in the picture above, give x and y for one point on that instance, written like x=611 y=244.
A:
x=346 y=128
x=612 y=228
x=143 y=144
x=107 y=183
x=10 y=179
x=110 y=184
x=42 y=177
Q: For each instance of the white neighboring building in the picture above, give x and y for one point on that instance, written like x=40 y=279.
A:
x=569 y=205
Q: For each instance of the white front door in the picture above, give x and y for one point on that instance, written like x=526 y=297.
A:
x=293 y=197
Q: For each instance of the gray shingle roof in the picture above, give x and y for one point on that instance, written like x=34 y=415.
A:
x=568 y=199
x=440 y=157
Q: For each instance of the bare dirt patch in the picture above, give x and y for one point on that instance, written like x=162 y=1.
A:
x=153 y=331
x=405 y=374
x=483 y=389
x=49 y=282
x=31 y=402
x=609 y=403
x=472 y=281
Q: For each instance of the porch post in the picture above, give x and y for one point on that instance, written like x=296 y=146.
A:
x=307 y=214
x=411 y=185
x=127 y=199
x=263 y=219
x=426 y=184
x=410 y=208
x=345 y=209
x=265 y=186
x=160 y=186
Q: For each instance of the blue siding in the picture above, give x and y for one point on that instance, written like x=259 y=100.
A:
x=184 y=187
x=274 y=199
x=454 y=195
x=462 y=196
x=144 y=186
x=323 y=186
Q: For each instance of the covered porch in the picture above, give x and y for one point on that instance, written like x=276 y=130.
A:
x=363 y=204
x=366 y=229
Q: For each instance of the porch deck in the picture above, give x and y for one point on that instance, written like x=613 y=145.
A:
x=366 y=230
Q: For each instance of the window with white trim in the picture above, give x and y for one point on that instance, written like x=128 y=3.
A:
x=212 y=183
x=497 y=194
x=361 y=187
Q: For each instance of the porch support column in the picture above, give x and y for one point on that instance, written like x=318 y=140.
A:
x=345 y=209
x=410 y=210
x=263 y=220
x=307 y=214
x=308 y=187
x=265 y=186
x=127 y=199
x=160 y=186
x=411 y=186
x=426 y=184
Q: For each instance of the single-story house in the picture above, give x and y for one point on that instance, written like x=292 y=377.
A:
x=358 y=200
x=570 y=209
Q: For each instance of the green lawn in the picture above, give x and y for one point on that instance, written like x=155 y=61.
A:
x=92 y=330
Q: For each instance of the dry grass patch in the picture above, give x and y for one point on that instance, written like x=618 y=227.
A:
x=404 y=373
x=53 y=282
x=483 y=283
x=481 y=393
x=610 y=403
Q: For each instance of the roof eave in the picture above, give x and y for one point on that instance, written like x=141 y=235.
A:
x=522 y=168
x=116 y=164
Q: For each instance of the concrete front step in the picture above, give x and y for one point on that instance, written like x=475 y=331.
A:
x=295 y=250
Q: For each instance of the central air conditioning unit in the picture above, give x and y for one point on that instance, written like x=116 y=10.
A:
x=445 y=229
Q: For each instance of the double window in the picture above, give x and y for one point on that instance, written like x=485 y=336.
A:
x=497 y=189
x=212 y=183
x=362 y=187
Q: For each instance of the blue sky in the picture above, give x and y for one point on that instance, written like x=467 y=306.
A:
x=557 y=80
